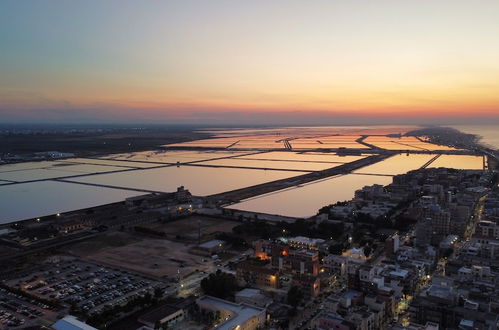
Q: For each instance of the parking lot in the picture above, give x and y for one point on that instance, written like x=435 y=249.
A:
x=17 y=311
x=86 y=286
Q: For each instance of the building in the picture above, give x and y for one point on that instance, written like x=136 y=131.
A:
x=326 y=320
x=424 y=233
x=287 y=259
x=301 y=242
x=210 y=248
x=309 y=285
x=342 y=265
x=414 y=326
x=54 y=154
x=449 y=242
x=295 y=261
x=235 y=316
x=253 y=297
x=70 y=322
x=166 y=315
x=486 y=237
x=178 y=202
x=258 y=275
x=440 y=220
x=487 y=229
x=263 y=249
x=374 y=192
x=392 y=245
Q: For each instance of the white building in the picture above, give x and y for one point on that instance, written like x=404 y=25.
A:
x=300 y=242
x=70 y=322
x=236 y=316
x=252 y=297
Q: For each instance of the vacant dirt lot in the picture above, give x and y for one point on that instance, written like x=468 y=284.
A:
x=154 y=256
x=188 y=228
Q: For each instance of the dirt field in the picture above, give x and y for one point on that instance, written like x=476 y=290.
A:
x=188 y=228
x=151 y=256
x=156 y=257
x=97 y=244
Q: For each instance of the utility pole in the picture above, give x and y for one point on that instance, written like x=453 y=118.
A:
x=199 y=232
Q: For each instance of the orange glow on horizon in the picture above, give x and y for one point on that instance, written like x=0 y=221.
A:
x=202 y=60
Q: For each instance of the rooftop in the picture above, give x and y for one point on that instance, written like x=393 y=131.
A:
x=306 y=240
x=248 y=292
x=70 y=322
x=241 y=312
x=158 y=313
x=211 y=244
x=400 y=273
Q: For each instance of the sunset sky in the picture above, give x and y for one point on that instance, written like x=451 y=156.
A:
x=268 y=61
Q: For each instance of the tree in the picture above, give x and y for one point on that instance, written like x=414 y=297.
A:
x=211 y=317
x=327 y=230
x=294 y=296
x=158 y=293
x=219 y=285
x=325 y=209
x=218 y=316
x=495 y=179
x=358 y=233
x=236 y=241
x=336 y=249
x=367 y=250
x=364 y=218
x=403 y=223
x=447 y=253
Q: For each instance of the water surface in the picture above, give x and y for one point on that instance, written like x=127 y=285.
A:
x=489 y=133
x=201 y=181
x=110 y=162
x=303 y=156
x=271 y=164
x=305 y=200
x=398 y=164
x=172 y=157
x=459 y=162
x=30 y=200
x=54 y=170
x=34 y=174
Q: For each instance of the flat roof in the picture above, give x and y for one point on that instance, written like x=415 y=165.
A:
x=248 y=292
x=352 y=294
x=399 y=273
x=464 y=270
x=211 y=244
x=242 y=312
x=306 y=240
x=70 y=322
x=159 y=313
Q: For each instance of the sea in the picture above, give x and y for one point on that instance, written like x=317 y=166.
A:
x=489 y=133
